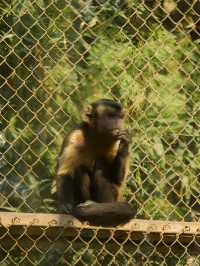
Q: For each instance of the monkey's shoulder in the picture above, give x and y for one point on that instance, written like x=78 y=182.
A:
x=76 y=137
x=74 y=152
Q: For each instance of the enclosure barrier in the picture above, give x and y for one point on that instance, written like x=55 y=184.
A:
x=55 y=58
x=35 y=237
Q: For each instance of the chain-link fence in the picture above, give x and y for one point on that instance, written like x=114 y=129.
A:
x=57 y=56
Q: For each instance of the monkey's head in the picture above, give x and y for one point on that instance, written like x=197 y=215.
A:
x=106 y=117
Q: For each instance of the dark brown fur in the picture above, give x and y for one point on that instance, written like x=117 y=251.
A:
x=93 y=165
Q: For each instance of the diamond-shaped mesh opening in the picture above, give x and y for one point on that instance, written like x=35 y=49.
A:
x=57 y=56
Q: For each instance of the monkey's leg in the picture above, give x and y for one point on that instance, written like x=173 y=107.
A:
x=105 y=211
x=82 y=185
x=73 y=189
x=102 y=188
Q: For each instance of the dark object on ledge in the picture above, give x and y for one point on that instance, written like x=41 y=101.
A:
x=105 y=214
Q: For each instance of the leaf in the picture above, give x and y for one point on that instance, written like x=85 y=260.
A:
x=158 y=146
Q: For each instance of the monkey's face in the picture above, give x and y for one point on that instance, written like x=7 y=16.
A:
x=106 y=119
x=110 y=122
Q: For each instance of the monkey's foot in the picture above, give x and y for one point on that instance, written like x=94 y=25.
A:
x=65 y=209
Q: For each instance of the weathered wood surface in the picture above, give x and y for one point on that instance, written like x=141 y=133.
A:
x=36 y=224
x=8 y=219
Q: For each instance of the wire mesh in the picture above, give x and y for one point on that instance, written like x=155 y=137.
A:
x=57 y=56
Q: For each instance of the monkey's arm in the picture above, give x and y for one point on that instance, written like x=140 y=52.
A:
x=64 y=176
x=72 y=179
x=65 y=192
x=120 y=164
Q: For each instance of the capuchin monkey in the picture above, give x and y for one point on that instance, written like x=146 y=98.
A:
x=93 y=165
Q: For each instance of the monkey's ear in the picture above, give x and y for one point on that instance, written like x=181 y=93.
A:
x=87 y=114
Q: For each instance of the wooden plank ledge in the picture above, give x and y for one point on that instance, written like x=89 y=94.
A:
x=36 y=224
x=8 y=219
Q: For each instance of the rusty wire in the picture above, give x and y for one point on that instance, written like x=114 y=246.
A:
x=57 y=56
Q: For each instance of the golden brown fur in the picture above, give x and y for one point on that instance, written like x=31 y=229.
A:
x=93 y=163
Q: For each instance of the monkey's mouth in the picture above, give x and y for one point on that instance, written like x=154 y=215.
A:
x=115 y=131
x=118 y=131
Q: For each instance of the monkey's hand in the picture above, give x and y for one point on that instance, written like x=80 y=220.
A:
x=66 y=208
x=124 y=136
x=121 y=134
x=125 y=139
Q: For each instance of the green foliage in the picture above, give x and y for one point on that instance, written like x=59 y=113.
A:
x=65 y=66
x=56 y=59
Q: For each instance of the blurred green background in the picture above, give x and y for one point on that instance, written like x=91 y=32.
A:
x=57 y=56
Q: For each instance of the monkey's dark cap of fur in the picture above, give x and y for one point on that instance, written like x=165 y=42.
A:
x=108 y=102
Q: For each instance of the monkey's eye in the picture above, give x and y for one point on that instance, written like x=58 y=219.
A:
x=112 y=115
x=122 y=114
